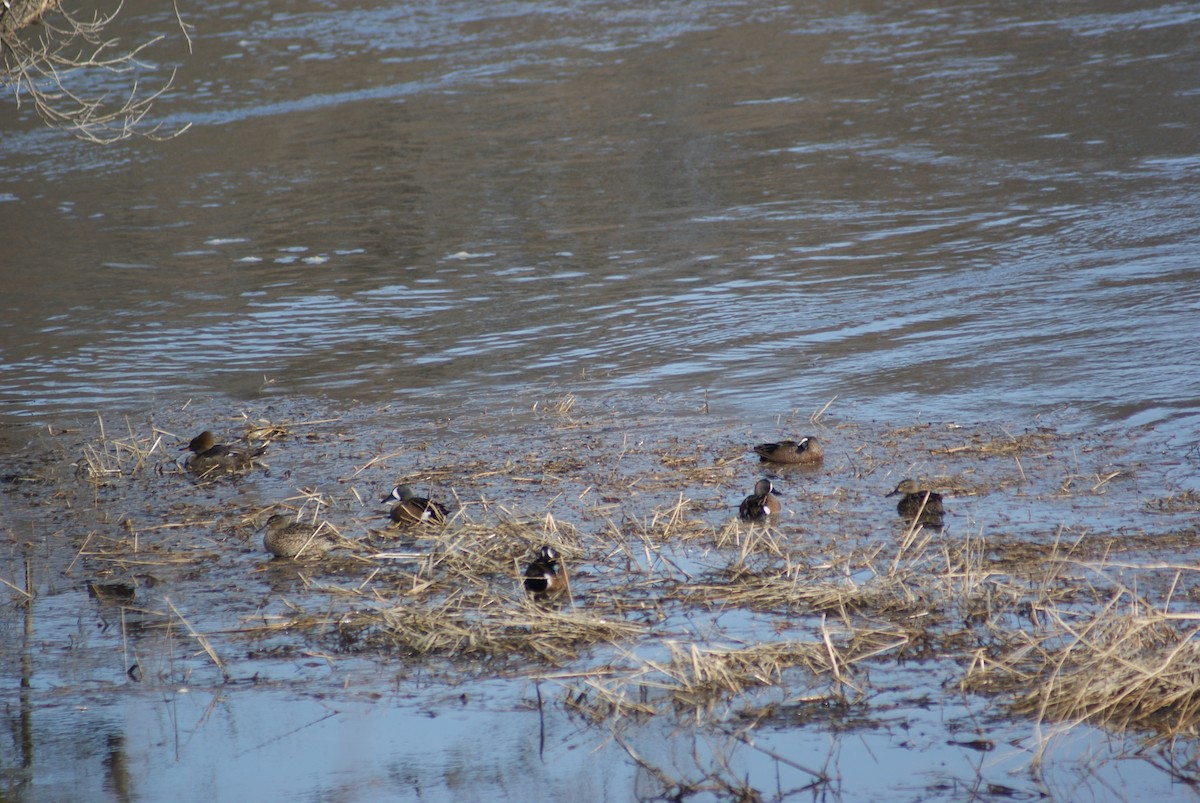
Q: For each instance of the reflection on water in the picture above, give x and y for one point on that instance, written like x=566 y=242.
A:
x=930 y=211
x=924 y=211
x=949 y=213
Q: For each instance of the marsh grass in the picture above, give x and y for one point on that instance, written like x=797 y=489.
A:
x=1040 y=442
x=110 y=458
x=473 y=626
x=1034 y=610
x=1125 y=664
x=703 y=684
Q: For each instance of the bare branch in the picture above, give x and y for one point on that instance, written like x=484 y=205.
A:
x=40 y=69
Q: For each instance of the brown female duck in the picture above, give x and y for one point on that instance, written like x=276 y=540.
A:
x=287 y=538
x=806 y=451
x=919 y=503
x=210 y=457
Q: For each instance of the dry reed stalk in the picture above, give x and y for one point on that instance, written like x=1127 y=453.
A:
x=113 y=458
x=200 y=638
x=18 y=589
x=560 y=407
x=815 y=418
x=1010 y=445
x=1126 y=666
x=673 y=522
x=695 y=679
x=694 y=674
x=476 y=625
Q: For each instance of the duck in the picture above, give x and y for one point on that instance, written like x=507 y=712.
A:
x=920 y=503
x=210 y=457
x=543 y=577
x=287 y=538
x=761 y=504
x=806 y=451
x=413 y=509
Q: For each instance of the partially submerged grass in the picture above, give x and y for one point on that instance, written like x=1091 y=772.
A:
x=1126 y=665
x=111 y=458
x=1038 y=442
x=474 y=627
x=695 y=679
x=647 y=534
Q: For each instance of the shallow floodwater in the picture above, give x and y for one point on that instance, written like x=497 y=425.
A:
x=958 y=213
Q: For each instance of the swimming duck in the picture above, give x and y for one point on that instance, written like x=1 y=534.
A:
x=806 y=451
x=210 y=457
x=919 y=501
x=543 y=580
x=412 y=509
x=761 y=504
x=288 y=538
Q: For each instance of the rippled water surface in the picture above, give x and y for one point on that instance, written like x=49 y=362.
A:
x=925 y=211
x=941 y=212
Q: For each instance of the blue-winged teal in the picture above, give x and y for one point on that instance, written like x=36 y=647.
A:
x=919 y=501
x=288 y=538
x=210 y=457
x=413 y=509
x=761 y=504
x=543 y=577
x=806 y=451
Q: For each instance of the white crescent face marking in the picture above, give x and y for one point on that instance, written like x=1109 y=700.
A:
x=803 y=442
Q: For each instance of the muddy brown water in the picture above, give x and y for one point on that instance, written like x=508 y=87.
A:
x=705 y=221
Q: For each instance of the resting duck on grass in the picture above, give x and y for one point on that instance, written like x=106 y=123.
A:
x=805 y=451
x=919 y=503
x=760 y=505
x=413 y=509
x=544 y=578
x=210 y=457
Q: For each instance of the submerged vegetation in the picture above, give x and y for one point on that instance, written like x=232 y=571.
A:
x=1048 y=590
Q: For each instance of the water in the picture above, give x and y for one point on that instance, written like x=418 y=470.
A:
x=956 y=213
x=931 y=212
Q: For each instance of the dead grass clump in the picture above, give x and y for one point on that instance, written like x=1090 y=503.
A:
x=464 y=597
x=695 y=676
x=480 y=554
x=1126 y=666
x=790 y=590
x=751 y=540
x=920 y=575
x=694 y=680
x=667 y=523
x=1173 y=503
x=119 y=457
x=477 y=626
x=266 y=431
x=560 y=407
x=1006 y=446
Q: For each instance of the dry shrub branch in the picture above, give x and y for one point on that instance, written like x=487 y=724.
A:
x=50 y=53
